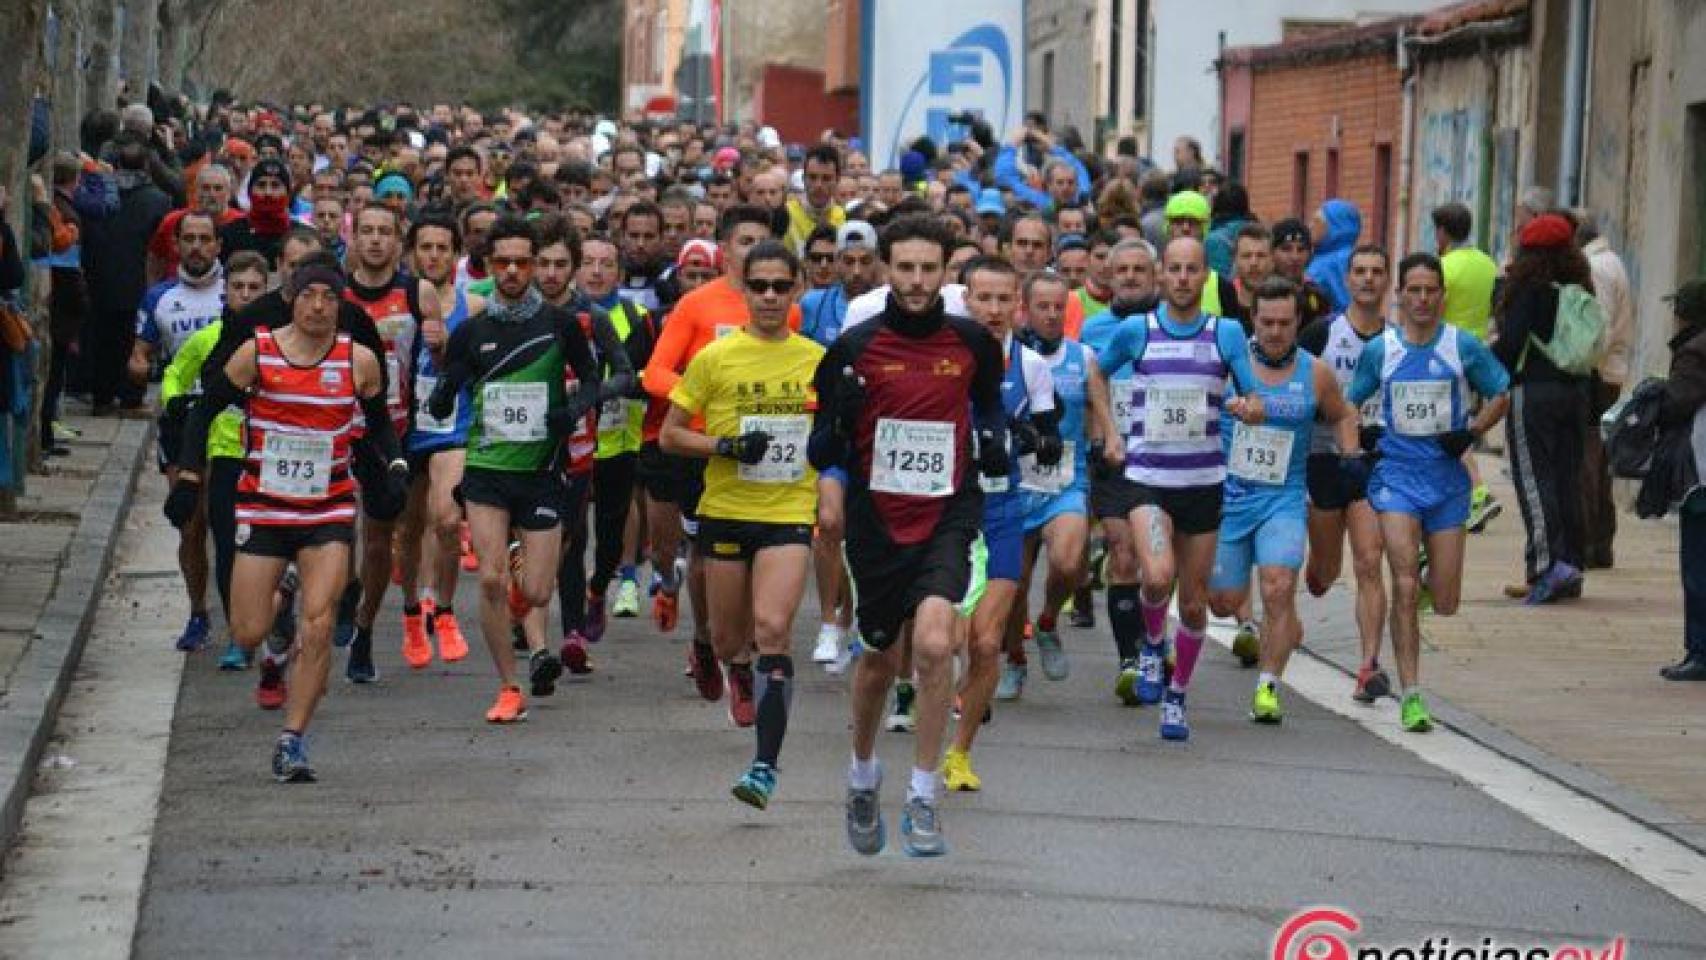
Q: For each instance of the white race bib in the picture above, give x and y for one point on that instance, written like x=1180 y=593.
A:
x=1123 y=395
x=1370 y=412
x=613 y=415
x=724 y=329
x=1172 y=414
x=515 y=411
x=785 y=460
x=425 y=422
x=1260 y=454
x=913 y=458
x=393 y=379
x=1421 y=408
x=1040 y=479
x=296 y=465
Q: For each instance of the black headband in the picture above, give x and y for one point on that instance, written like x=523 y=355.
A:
x=303 y=277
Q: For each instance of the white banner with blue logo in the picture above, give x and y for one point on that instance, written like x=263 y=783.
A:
x=928 y=64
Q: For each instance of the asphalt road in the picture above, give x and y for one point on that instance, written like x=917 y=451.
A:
x=603 y=827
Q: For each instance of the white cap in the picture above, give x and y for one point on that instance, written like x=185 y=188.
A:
x=855 y=233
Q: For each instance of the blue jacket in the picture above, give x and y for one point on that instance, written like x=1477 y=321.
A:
x=1333 y=257
x=1007 y=176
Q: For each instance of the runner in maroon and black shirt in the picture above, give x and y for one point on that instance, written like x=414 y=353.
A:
x=900 y=400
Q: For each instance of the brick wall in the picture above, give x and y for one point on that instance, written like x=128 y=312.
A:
x=1292 y=111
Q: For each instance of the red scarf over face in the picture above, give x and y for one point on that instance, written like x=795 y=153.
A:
x=269 y=216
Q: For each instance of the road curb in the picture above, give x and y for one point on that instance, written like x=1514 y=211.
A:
x=1625 y=800
x=31 y=705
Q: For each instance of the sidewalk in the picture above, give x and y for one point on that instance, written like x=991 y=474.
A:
x=1576 y=682
x=53 y=561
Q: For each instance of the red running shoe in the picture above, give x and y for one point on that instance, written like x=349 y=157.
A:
x=707 y=673
x=574 y=654
x=743 y=709
x=270 y=691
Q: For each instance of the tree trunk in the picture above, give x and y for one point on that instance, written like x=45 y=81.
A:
x=64 y=72
x=140 y=61
x=174 y=42
x=101 y=43
x=21 y=23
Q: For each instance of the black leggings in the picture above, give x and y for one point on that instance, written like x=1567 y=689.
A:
x=613 y=489
x=222 y=474
x=571 y=572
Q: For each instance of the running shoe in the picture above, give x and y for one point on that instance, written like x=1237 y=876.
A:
x=470 y=562
x=290 y=760
x=1012 y=683
x=1151 y=660
x=429 y=607
x=865 y=831
x=234 y=658
x=596 y=617
x=417 y=649
x=1125 y=685
x=903 y=717
x=511 y=707
x=1053 y=655
x=664 y=610
x=196 y=634
x=344 y=632
x=543 y=669
x=1265 y=704
x=452 y=645
x=1553 y=584
x=1083 y=616
x=1372 y=684
x=743 y=708
x=627 y=605
x=1483 y=507
x=270 y=690
x=957 y=774
x=1414 y=715
x=921 y=829
x=64 y=432
x=756 y=785
x=707 y=673
x=828 y=649
x=574 y=654
x=1173 y=724
x=519 y=607
x=1247 y=644
x=360 y=668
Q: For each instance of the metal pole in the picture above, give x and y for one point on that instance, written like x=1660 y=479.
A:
x=1575 y=105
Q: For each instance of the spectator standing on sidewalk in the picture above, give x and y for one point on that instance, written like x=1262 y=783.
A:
x=1611 y=287
x=1685 y=399
x=1549 y=407
x=115 y=252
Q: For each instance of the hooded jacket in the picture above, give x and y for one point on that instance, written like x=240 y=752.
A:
x=1333 y=255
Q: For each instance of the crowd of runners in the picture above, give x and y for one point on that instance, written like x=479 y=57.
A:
x=617 y=368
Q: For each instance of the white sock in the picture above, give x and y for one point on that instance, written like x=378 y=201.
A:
x=864 y=774
x=925 y=783
x=1265 y=679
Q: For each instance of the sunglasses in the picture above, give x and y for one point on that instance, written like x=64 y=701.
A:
x=821 y=257
x=762 y=287
x=504 y=263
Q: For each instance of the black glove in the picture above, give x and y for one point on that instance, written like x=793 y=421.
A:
x=1100 y=469
x=181 y=503
x=1456 y=442
x=748 y=448
x=1024 y=437
x=566 y=419
x=443 y=400
x=1049 y=449
x=1369 y=434
x=397 y=480
x=177 y=408
x=992 y=458
x=850 y=395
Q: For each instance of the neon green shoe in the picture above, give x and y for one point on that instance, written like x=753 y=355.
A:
x=1414 y=714
x=627 y=603
x=1265 y=704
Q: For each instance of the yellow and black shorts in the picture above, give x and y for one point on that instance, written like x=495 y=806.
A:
x=742 y=539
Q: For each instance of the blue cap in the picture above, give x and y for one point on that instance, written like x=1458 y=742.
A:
x=393 y=185
x=989 y=201
x=913 y=166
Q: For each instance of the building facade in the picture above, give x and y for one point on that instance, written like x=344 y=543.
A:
x=653 y=31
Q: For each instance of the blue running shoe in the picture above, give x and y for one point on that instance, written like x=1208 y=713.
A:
x=234 y=658
x=1173 y=725
x=1558 y=581
x=921 y=829
x=1150 y=682
x=290 y=760
x=756 y=785
x=196 y=634
x=866 y=833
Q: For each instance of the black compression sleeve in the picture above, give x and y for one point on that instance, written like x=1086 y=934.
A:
x=827 y=448
x=379 y=431
x=217 y=393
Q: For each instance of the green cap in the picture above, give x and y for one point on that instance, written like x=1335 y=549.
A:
x=1187 y=205
x=1689 y=301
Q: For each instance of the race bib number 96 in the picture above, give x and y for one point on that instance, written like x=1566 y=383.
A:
x=515 y=411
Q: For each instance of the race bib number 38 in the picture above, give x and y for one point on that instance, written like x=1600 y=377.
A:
x=1172 y=414
x=785 y=459
x=515 y=411
x=294 y=465
x=1260 y=454
x=913 y=458
x=1421 y=408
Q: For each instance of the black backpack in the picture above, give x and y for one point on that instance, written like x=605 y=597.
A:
x=1631 y=430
